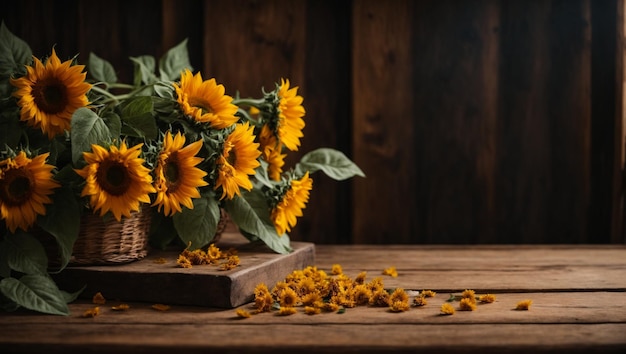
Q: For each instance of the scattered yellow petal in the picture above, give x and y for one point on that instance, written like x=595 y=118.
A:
x=92 y=312
x=120 y=307
x=524 y=305
x=469 y=294
x=336 y=269
x=98 y=299
x=428 y=293
x=286 y=310
x=243 y=313
x=161 y=307
x=391 y=271
x=183 y=261
x=160 y=260
x=488 y=298
x=467 y=304
x=447 y=309
x=420 y=301
x=311 y=310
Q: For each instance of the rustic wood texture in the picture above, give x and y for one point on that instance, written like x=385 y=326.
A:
x=577 y=293
x=203 y=285
x=485 y=121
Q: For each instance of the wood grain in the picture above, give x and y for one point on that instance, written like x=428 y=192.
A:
x=587 y=314
x=158 y=278
x=488 y=121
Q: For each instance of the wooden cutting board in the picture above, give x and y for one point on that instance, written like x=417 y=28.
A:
x=150 y=280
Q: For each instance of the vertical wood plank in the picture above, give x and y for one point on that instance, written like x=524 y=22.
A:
x=383 y=122
x=619 y=181
x=184 y=20
x=253 y=44
x=327 y=218
x=544 y=158
x=456 y=95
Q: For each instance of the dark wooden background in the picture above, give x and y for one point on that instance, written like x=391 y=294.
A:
x=475 y=121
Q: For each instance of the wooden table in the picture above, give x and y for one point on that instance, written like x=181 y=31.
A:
x=578 y=298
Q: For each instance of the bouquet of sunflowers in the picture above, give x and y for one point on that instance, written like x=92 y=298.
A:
x=74 y=141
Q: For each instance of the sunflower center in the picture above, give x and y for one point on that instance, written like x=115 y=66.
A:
x=15 y=188
x=50 y=96
x=172 y=174
x=201 y=104
x=113 y=178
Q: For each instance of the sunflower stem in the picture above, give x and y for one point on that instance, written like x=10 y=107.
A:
x=249 y=102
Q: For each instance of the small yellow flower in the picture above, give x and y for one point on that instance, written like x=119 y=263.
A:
x=286 y=311
x=380 y=298
x=420 y=301
x=288 y=298
x=360 y=278
x=524 y=305
x=336 y=269
x=243 y=313
x=311 y=310
x=467 y=304
x=447 y=309
x=488 y=298
x=391 y=271
x=362 y=294
x=428 y=293
x=469 y=294
x=399 y=306
x=183 y=261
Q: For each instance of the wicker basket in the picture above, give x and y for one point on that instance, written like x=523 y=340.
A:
x=221 y=225
x=107 y=241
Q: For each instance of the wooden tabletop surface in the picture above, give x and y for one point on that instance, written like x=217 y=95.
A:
x=578 y=295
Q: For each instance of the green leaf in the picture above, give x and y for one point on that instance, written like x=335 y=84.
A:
x=242 y=212
x=14 y=54
x=144 y=70
x=87 y=129
x=63 y=222
x=25 y=254
x=10 y=129
x=114 y=122
x=100 y=69
x=162 y=231
x=137 y=118
x=5 y=270
x=332 y=162
x=71 y=297
x=35 y=292
x=198 y=225
x=174 y=62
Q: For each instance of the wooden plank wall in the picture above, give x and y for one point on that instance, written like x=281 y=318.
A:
x=475 y=121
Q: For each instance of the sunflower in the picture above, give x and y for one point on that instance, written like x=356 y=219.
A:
x=291 y=111
x=49 y=94
x=271 y=153
x=293 y=201
x=117 y=180
x=205 y=101
x=176 y=177
x=238 y=160
x=24 y=188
